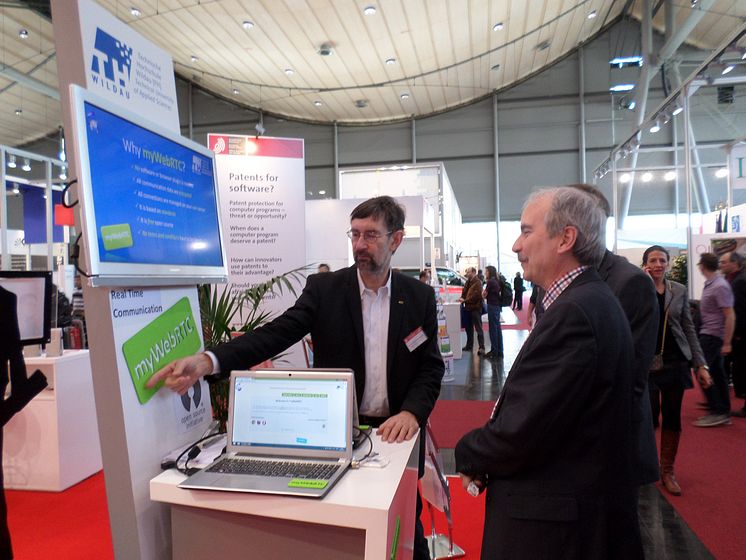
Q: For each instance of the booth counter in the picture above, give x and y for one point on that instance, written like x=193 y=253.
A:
x=368 y=512
x=53 y=442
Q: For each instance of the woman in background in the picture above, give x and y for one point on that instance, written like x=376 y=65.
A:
x=678 y=345
x=492 y=295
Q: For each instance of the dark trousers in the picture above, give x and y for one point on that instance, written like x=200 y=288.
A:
x=738 y=365
x=666 y=404
x=718 y=396
x=476 y=324
x=496 y=333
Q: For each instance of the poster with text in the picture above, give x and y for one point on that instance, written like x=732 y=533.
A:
x=262 y=198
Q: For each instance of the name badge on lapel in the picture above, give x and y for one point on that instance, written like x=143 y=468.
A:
x=415 y=338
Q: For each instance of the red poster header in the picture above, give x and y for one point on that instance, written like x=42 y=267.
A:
x=227 y=144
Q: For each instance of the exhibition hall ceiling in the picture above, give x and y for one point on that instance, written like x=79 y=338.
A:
x=350 y=61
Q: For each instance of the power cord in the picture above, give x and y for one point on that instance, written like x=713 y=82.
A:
x=355 y=464
x=64 y=192
x=191 y=452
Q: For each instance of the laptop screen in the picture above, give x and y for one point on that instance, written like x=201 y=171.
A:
x=290 y=412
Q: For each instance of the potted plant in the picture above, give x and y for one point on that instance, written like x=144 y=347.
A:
x=225 y=313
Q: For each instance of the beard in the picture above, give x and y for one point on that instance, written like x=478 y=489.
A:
x=366 y=262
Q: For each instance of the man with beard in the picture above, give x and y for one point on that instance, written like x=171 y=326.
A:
x=379 y=323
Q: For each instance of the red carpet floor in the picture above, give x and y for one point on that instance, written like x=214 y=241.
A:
x=69 y=525
x=711 y=469
x=452 y=419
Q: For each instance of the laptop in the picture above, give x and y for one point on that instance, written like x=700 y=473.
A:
x=289 y=432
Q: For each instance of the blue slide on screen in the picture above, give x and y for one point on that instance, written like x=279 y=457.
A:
x=154 y=199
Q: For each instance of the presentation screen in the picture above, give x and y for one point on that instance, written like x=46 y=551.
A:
x=33 y=292
x=149 y=199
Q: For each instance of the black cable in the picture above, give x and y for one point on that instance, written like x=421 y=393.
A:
x=75 y=256
x=192 y=450
x=64 y=192
x=370 y=441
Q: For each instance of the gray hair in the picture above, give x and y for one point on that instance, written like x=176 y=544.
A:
x=573 y=207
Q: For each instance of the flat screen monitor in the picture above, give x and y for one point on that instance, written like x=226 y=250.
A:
x=33 y=292
x=149 y=199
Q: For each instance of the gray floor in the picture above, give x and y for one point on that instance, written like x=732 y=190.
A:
x=665 y=534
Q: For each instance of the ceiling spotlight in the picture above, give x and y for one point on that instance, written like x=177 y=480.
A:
x=655 y=128
x=670 y=175
x=647 y=177
x=495 y=67
x=404 y=96
x=694 y=3
x=246 y=24
x=23 y=34
x=135 y=12
x=624 y=61
x=361 y=103
x=289 y=71
x=318 y=103
x=26 y=165
x=498 y=26
x=592 y=15
x=622 y=87
x=322 y=193
x=326 y=49
x=728 y=69
x=12 y=161
x=625 y=178
x=16 y=189
x=677 y=110
x=63 y=173
x=194 y=58
x=721 y=173
x=369 y=10
x=19 y=112
x=235 y=91
x=544 y=45
x=259 y=127
x=390 y=61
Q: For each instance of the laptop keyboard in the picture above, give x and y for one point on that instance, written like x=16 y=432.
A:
x=291 y=469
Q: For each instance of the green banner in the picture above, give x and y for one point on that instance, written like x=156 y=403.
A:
x=118 y=236
x=172 y=335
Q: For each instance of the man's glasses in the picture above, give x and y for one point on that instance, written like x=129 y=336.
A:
x=370 y=236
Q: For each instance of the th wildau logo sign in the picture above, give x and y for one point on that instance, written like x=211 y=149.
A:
x=111 y=66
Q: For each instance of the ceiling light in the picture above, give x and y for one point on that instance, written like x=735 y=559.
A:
x=498 y=26
x=235 y=91
x=19 y=112
x=404 y=96
x=361 y=103
x=318 y=103
x=289 y=71
x=677 y=110
x=12 y=161
x=26 y=165
x=369 y=10
x=655 y=128
x=721 y=173
x=670 y=175
x=647 y=177
x=743 y=56
x=322 y=192
x=495 y=67
x=624 y=61
x=326 y=49
x=247 y=24
x=622 y=87
x=544 y=45
x=63 y=173
x=16 y=189
x=23 y=34
x=625 y=178
x=592 y=15
x=390 y=61
x=135 y=12
x=194 y=58
x=728 y=69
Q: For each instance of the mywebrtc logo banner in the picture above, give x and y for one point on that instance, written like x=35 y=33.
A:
x=172 y=335
x=111 y=66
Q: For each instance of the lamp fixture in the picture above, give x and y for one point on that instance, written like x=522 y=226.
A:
x=61 y=154
x=23 y=34
x=728 y=69
x=289 y=71
x=12 y=161
x=63 y=173
x=591 y=15
x=656 y=127
x=326 y=49
x=26 y=164
x=647 y=177
x=246 y=24
x=369 y=10
x=621 y=87
x=19 y=112
x=670 y=175
x=16 y=189
x=361 y=103
x=235 y=91
x=404 y=96
x=624 y=61
x=677 y=110
x=495 y=67
x=721 y=173
x=318 y=103
x=322 y=193
x=625 y=178
x=194 y=58
x=135 y=12
x=499 y=26
x=390 y=61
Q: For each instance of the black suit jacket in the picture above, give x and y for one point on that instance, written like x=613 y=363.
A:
x=330 y=309
x=636 y=293
x=559 y=438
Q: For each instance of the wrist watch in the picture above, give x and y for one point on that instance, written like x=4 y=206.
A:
x=704 y=367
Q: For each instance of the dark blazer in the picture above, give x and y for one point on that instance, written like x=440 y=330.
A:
x=636 y=293
x=681 y=325
x=559 y=438
x=330 y=309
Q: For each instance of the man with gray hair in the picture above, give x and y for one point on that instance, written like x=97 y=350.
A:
x=559 y=437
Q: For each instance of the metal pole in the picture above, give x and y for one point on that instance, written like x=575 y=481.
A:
x=414 y=140
x=581 y=106
x=336 y=160
x=688 y=187
x=50 y=216
x=190 y=105
x=676 y=202
x=495 y=157
x=4 y=254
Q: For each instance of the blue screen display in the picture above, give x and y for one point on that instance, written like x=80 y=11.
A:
x=154 y=199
